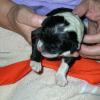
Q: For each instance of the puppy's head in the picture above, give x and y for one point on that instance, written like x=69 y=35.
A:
x=55 y=39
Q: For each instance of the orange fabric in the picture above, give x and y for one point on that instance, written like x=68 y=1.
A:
x=85 y=69
x=12 y=73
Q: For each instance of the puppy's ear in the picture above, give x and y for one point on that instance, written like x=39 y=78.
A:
x=74 y=47
x=35 y=33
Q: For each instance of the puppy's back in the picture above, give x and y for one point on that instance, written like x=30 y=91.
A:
x=59 y=10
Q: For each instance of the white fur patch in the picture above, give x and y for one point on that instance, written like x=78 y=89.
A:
x=65 y=54
x=39 y=45
x=47 y=55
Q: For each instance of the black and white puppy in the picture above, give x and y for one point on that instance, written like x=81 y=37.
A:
x=60 y=35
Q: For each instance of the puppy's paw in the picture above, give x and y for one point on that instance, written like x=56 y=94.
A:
x=36 y=66
x=60 y=79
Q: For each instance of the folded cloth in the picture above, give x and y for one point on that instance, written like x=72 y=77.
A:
x=42 y=7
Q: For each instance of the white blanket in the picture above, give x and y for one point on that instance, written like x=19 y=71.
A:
x=34 y=86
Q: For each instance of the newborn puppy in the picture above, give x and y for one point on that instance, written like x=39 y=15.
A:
x=60 y=35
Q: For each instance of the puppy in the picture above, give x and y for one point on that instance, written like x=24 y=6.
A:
x=59 y=36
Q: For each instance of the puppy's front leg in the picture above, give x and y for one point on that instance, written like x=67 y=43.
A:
x=36 y=59
x=61 y=73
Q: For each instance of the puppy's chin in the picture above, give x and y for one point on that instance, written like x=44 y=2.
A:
x=48 y=55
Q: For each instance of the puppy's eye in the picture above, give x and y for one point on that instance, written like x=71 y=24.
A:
x=59 y=29
x=55 y=51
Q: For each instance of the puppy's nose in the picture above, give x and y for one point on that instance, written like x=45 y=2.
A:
x=39 y=49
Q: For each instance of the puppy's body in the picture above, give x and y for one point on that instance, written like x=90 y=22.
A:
x=60 y=35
